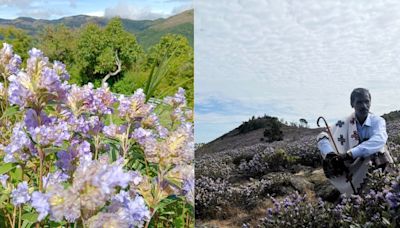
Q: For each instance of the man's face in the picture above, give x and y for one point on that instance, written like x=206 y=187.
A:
x=361 y=105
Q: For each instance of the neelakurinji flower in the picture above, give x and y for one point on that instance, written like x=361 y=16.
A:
x=9 y=62
x=20 y=146
x=20 y=195
x=41 y=204
x=134 y=107
x=38 y=85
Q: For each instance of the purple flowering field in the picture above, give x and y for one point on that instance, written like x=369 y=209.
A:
x=76 y=156
x=282 y=184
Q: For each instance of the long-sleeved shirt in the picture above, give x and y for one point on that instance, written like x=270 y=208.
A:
x=372 y=135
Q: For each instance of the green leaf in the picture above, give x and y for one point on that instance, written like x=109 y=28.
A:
x=165 y=202
x=10 y=111
x=30 y=217
x=16 y=175
x=6 y=167
x=385 y=221
x=26 y=224
x=3 y=197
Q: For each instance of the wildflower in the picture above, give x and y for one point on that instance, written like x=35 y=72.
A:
x=59 y=67
x=134 y=107
x=20 y=195
x=141 y=135
x=53 y=134
x=10 y=61
x=41 y=204
x=64 y=203
x=135 y=211
x=178 y=100
x=103 y=101
x=103 y=219
x=19 y=145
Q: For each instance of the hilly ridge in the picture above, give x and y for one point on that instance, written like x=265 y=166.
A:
x=147 y=32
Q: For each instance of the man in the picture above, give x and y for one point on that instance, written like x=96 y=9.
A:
x=360 y=140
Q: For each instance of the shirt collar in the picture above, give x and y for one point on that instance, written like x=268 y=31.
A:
x=367 y=121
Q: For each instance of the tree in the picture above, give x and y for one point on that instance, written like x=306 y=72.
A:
x=107 y=52
x=18 y=38
x=59 y=43
x=303 y=122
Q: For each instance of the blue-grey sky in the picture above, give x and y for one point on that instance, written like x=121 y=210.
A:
x=292 y=59
x=131 y=9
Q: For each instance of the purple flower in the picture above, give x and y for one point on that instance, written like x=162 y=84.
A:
x=134 y=107
x=20 y=143
x=141 y=135
x=41 y=204
x=3 y=180
x=111 y=176
x=51 y=134
x=64 y=160
x=54 y=179
x=135 y=212
x=20 y=195
x=178 y=100
x=59 y=67
x=9 y=60
x=20 y=90
x=103 y=101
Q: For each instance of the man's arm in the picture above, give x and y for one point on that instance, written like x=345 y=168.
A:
x=374 y=143
x=323 y=144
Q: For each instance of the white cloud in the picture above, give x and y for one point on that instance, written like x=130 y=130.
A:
x=305 y=55
x=17 y=3
x=129 y=11
x=180 y=9
x=96 y=13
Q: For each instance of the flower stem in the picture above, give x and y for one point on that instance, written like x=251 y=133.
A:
x=41 y=157
x=14 y=216
x=20 y=217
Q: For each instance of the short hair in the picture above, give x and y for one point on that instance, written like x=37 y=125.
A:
x=357 y=92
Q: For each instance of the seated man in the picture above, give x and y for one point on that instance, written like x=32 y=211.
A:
x=359 y=140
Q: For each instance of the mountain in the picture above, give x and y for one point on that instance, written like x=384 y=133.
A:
x=147 y=32
x=236 y=138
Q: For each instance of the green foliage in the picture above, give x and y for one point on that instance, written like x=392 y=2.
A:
x=131 y=81
x=175 y=52
x=149 y=37
x=272 y=127
x=20 y=40
x=59 y=43
x=99 y=49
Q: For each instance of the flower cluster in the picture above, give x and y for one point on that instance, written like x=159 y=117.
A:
x=82 y=155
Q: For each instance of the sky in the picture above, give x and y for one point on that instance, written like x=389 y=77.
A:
x=55 y=9
x=292 y=59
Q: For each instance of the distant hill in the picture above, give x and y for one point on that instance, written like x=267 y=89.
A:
x=251 y=133
x=147 y=32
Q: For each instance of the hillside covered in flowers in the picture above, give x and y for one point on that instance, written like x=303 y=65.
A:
x=244 y=181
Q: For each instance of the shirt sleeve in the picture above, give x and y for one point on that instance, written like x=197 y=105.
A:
x=324 y=146
x=375 y=143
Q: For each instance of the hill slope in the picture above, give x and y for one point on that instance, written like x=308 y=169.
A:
x=148 y=32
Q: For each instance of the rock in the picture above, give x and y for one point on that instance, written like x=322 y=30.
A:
x=301 y=184
x=322 y=187
x=327 y=192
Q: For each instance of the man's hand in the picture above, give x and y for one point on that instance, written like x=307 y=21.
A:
x=346 y=156
x=333 y=165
